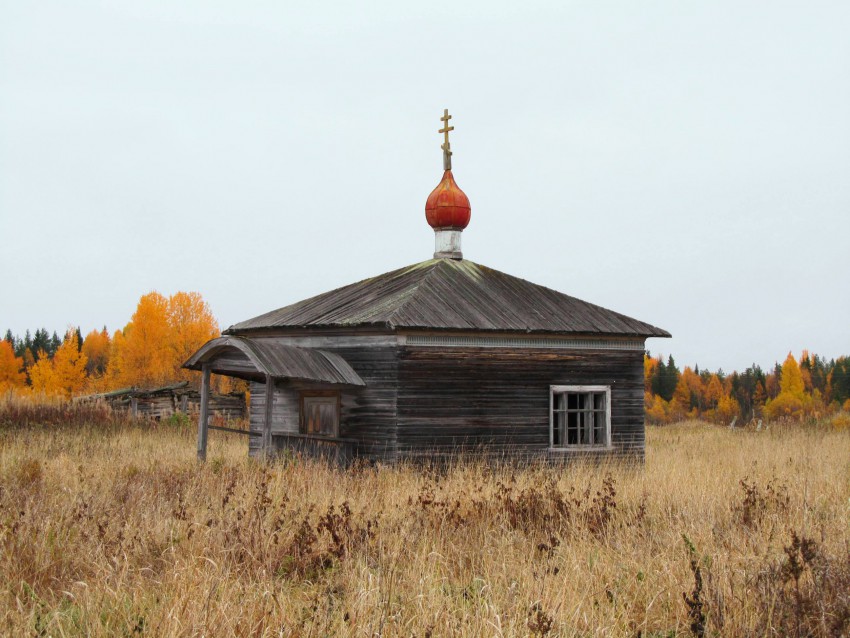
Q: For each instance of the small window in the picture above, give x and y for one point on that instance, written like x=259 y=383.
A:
x=320 y=415
x=580 y=416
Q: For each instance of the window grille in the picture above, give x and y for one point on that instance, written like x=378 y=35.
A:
x=580 y=416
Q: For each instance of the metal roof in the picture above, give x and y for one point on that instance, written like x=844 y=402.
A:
x=279 y=361
x=447 y=294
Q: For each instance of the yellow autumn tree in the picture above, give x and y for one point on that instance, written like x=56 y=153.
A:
x=792 y=378
x=96 y=347
x=69 y=366
x=680 y=404
x=191 y=324
x=657 y=412
x=115 y=368
x=697 y=389
x=161 y=335
x=792 y=398
x=714 y=391
x=42 y=376
x=145 y=355
x=727 y=409
x=12 y=375
x=759 y=398
x=650 y=365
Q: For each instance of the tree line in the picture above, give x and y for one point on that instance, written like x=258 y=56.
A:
x=164 y=332
x=147 y=352
x=804 y=387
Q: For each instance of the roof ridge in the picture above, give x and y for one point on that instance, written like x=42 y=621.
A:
x=397 y=272
x=451 y=294
x=409 y=299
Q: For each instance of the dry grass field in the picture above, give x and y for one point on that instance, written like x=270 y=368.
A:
x=113 y=529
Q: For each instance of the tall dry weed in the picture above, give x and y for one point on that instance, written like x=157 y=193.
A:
x=112 y=528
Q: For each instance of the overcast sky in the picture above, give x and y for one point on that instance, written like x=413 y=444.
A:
x=685 y=163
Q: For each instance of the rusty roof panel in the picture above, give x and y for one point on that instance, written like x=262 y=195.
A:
x=452 y=295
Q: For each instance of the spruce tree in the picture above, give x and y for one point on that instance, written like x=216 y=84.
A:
x=819 y=373
x=23 y=344
x=657 y=381
x=841 y=380
x=40 y=342
x=671 y=378
x=55 y=342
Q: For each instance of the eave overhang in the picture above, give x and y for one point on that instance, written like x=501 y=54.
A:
x=276 y=360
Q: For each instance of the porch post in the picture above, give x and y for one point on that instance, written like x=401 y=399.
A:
x=267 y=421
x=204 y=418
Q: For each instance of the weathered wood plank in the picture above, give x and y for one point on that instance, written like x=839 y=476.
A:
x=425 y=401
x=267 y=417
x=203 y=417
x=221 y=428
x=496 y=401
x=367 y=414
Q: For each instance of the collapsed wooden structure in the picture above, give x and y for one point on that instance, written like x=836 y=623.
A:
x=161 y=403
x=436 y=358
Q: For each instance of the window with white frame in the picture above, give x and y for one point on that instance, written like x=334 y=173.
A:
x=580 y=416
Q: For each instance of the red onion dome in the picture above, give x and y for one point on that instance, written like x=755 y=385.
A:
x=447 y=205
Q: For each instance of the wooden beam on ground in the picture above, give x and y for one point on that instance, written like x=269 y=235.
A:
x=233 y=430
x=203 y=420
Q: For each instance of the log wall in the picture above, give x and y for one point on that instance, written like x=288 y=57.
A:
x=367 y=414
x=495 y=401
x=426 y=401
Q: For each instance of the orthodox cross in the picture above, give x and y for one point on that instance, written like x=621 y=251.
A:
x=447 y=149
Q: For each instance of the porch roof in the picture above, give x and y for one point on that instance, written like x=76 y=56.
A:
x=255 y=358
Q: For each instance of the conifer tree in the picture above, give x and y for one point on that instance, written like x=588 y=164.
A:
x=659 y=378
x=669 y=379
x=55 y=342
x=25 y=345
x=840 y=380
x=40 y=344
x=29 y=362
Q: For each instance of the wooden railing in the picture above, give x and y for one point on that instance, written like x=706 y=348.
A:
x=333 y=449
x=233 y=430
